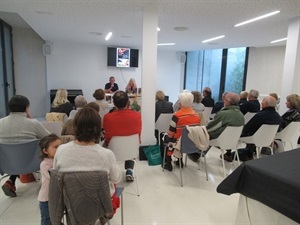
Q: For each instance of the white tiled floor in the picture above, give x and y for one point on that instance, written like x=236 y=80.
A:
x=161 y=202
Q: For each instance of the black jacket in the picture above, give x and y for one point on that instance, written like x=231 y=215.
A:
x=250 y=106
x=162 y=107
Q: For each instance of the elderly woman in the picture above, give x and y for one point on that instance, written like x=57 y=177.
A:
x=99 y=95
x=61 y=103
x=80 y=102
x=197 y=105
x=131 y=86
x=293 y=114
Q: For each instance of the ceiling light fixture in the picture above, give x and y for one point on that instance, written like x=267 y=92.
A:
x=165 y=44
x=257 y=18
x=158 y=29
x=282 y=39
x=212 y=39
x=108 y=36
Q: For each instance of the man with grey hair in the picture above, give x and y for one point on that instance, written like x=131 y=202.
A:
x=267 y=115
x=80 y=102
x=184 y=116
x=252 y=105
x=230 y=115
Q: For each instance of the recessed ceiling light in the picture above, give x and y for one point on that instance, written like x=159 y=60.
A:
x=282 y=39
x=108 y=36
x=158 y=29
x=212 y=39
x=95 y=33
x=44 y=12
x=165 y=44
x=180 y=28
x=257 y=18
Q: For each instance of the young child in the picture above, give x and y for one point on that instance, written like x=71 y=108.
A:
x=48 y=145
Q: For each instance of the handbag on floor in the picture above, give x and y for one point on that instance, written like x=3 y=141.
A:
x=153 y=155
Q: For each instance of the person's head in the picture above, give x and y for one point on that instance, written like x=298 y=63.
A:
x=99 y=94
x=160 y=96
x=120 y=100
x=185 y=99
x=231 y=99
x=293 y=101
x=80 y=101
x=244 y=94
x=253 y=94
x=61 y=97
x=206 y=91
x=87 y=125
x=197 y=96
x=49 y=145
x=93 y=105
x=131 y=82
x=18 y=103
x=112 y=80
x=268 y=101
x=273 y=94
x=224 y=94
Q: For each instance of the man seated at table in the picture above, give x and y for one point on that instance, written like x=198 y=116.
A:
x=122 y=122
x=111 y=86
x=18 y=125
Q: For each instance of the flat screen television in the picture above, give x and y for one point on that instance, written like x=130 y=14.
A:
x=122 y=57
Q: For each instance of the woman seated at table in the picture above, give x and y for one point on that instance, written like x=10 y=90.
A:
x=131 y=86
x=61 y=103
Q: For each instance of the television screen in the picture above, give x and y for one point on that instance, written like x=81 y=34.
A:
x=122 y=57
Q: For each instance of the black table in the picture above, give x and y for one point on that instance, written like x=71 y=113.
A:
x=273 y=181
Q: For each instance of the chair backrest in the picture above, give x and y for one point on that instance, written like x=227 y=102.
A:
x=265 y=135
x=289 y=132
x=187 y=145
x=163 y=122
x=85 y=194
x=53 y=116
x=229 y=138
x=248 y=116
x=207 y=113
x=19 y=158
x=54 y=127
x=125 y=147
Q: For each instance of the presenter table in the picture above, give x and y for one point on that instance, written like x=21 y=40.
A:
x=272 y=180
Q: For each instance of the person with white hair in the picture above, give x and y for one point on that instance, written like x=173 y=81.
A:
x=184 y=116
x=80 y=102
x=252 y=105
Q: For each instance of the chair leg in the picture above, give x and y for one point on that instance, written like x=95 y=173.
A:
x=257 y=152
x=236 y=155
x=202 y=154
x=122 y=215
x=180 y=168
x=164 y=159
x=137 y=181
x=185 y=159
x=223 y=162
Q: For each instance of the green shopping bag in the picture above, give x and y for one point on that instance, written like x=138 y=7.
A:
x=153 y=155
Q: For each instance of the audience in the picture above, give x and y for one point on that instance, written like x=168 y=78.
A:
x=61 y=103
x=219 y=104
x=99 y=95
x=84 y=154
x=229 y=115
x=111 y=86
x=80 y=102
x=197 y=106
x=207 y=100
x=252 y=105
x=184 y=116
x=131 y=87
x=18 y=125
x=162 y=106
x=48 y=145
x=243 y=97
x=122 y=122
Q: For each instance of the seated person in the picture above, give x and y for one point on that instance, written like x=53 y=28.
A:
x=219 y=104
x=84 y=154
x=293 y=113
x=243 y=97
x=61 y=103
x=197 y=106
x=184 y=116
x=273 y=94
x=80 y=102
x=111 y=86
x=162 y=106
x=207 y=100
x=252 y=105
x=229 y=115
x=18 y=125
x=99 y=95
x=131 y=87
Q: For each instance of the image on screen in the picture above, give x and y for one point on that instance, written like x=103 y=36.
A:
x=123 y=57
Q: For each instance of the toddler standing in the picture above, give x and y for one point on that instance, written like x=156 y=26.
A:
x=48 y=145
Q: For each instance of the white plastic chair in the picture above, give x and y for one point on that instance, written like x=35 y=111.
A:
x=248 y=116
x=126 y=148
x=19 y=158
x=289 y=134
x=163 y=123
x=54 y=127
x=207 y=113
x=228 y=139
x=263 y=137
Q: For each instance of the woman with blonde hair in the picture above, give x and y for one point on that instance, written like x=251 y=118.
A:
x=131 y=86
x=61 y=103
x=293 y=113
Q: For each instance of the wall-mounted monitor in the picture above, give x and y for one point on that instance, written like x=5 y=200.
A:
x=122 y=57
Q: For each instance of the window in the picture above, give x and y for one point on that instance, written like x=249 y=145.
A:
x=220 y=69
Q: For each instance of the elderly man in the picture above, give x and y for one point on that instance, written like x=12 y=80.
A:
x=229 y=115
x=252 y=105
x=184 y=116
x=207 y=100
x=111 y=86
x=267 y=115
x=18 y=125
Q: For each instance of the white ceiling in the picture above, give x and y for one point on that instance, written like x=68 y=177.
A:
x=73 y=20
